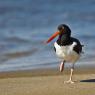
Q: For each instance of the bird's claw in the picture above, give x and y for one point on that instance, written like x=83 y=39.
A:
x=69 y=81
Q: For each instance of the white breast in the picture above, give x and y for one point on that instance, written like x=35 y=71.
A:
x=66 y=52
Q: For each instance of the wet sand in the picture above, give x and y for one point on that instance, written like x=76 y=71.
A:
x=47 y=82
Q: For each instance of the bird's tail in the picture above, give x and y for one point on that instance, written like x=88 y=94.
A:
x=82 y=49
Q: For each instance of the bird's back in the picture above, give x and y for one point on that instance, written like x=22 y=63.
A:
x=78 y=47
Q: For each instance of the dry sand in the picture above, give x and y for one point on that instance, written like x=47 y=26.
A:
x=46 y=82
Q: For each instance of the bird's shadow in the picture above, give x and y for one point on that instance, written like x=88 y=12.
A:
x=88 y=80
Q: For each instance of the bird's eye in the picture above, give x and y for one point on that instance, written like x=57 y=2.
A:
x=60 y=28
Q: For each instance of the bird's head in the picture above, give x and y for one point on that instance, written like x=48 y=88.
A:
x=62 y=29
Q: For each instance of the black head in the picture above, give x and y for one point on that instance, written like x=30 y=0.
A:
x=64 y=28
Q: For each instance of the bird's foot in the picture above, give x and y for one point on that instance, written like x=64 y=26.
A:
x=69 y=81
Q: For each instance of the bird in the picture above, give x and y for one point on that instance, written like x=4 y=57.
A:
x=67 y=48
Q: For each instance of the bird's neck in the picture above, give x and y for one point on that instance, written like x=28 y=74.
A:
x=64 y=39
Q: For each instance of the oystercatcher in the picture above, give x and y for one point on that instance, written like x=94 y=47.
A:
x=67 y=48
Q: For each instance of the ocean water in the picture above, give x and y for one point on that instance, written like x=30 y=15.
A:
x=26 y=24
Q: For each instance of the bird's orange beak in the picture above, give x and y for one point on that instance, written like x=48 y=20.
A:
x=53 y=36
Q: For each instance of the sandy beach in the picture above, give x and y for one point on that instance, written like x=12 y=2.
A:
x=47 y=82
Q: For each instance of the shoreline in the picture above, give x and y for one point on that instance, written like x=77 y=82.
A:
x=47 y=82
x=44 y=72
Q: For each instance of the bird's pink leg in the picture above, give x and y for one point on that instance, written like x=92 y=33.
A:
x=61 y=67
x=70 y=80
